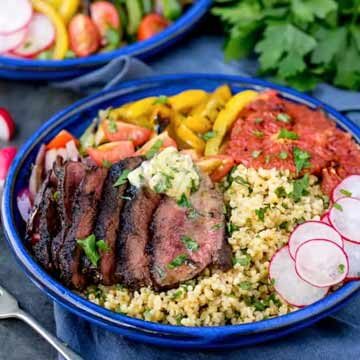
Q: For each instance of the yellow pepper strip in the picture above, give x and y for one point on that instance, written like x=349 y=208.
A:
x=197 y=123
x=208 y=165
x=55 y=3
x=61 y=41
x=226 y=118
x=188 y=137
x=222 y=93
x=187 y=100
x=68 y=9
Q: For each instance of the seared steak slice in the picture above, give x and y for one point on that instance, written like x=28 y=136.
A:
x=69 y=177
x=108 y=218
x=83 y=220
x=132 y=268
x=49 y=227
x=186 y=240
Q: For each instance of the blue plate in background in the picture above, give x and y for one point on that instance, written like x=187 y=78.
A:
x=75 y=119
x=32 y=69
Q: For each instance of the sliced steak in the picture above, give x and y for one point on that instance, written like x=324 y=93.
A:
x=132 y=268
x=69 y=177
x=83 y=221
x=186 y=240
x=108 y=218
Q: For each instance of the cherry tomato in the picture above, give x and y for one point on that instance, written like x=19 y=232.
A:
x=84 y=35
x=116 y=131
x=227 y=164
x=112 y=152
x=151 y=25
x=105 y=16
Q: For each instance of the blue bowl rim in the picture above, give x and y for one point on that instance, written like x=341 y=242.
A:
x=100 y=315
x=184 y=23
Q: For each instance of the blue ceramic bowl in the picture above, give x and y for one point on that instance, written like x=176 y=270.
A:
x=22 y=69
x=75 y=119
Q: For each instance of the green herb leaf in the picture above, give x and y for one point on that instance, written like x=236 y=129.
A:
x=285 y=118
x=161 y=100
x=258 y=133
x=209 y=135
x=56 y=196
x=301 y=159
x=286 y=134
x=90 y=249
x=280 y=192
x=112 y=126
x=258 y=120
x=178 y=261
x=261 y=213
x=338 y=207
x=245 y=285
x=244 y=260
x=346 y=192
x=341 y=268
x=216 y=227
x=189 y=243
x=154 y=149
x=102 y=245
x=184 y=201
x=283 y=155
x=106 y=164
x=300 y=187
x=123 y=178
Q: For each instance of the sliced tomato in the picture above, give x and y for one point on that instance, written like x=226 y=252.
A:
x=112 y=152
x=105 y=16
x=84 y=35
x=151 y=25
x=60 y=140
x=164 y=137
x=220 y=172
x=118 y=131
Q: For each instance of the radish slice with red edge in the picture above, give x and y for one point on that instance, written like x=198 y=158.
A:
x=40 y=36
x=288 y=284
x=321 y=263
x=344 y=216
x=12 y=41
x=312 y=230
x=6 y=157
x=14 y=15
x=7 y=125
x=349 y=187
x=24 y=203
x=353 y=252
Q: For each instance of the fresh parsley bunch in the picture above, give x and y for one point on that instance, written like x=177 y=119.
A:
x=299 y=42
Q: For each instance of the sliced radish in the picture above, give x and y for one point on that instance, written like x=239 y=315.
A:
x=7 y=125
x=325 y=218
x=312 y=230
x=344 y=216
x=6 y=157
x=321 y=263
x=72 y=151
x=12 y=41
x=40 y=36
x=353 y=252
x=349 y=187
x=24 y=203
x=288 y=284
x=14 y=15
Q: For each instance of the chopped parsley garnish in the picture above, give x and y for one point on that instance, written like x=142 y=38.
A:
x=338 y=207
x=192 y=213
x=161 y=100
x=286 y=134
x=258 y=120
x=258 y=133
x=341 y=268
x=177 y=294
x=244 y=260
x=283 y=155
x=284 y=225
x=231 y=227
x=91 y=246
x=164 y=184
x=301 y=159
x=259 y=305
x=240 y=180
x=184 y=201
x=154 y=149
x=189 y=243
x=106 y=164
x=245 y=285
x=300 y=187
x=256 y=153
x=261 y=213
x=56 y=196
x=285 y=118
x=177 y=261
x=123 y=178
x=346 y=192
x=209 y=135
x=216 y=227
x=280 y=192
x=112 y=126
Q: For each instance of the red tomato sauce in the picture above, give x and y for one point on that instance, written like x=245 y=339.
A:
x=254 y=140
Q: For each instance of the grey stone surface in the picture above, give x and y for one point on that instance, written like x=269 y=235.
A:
x=30 y=106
